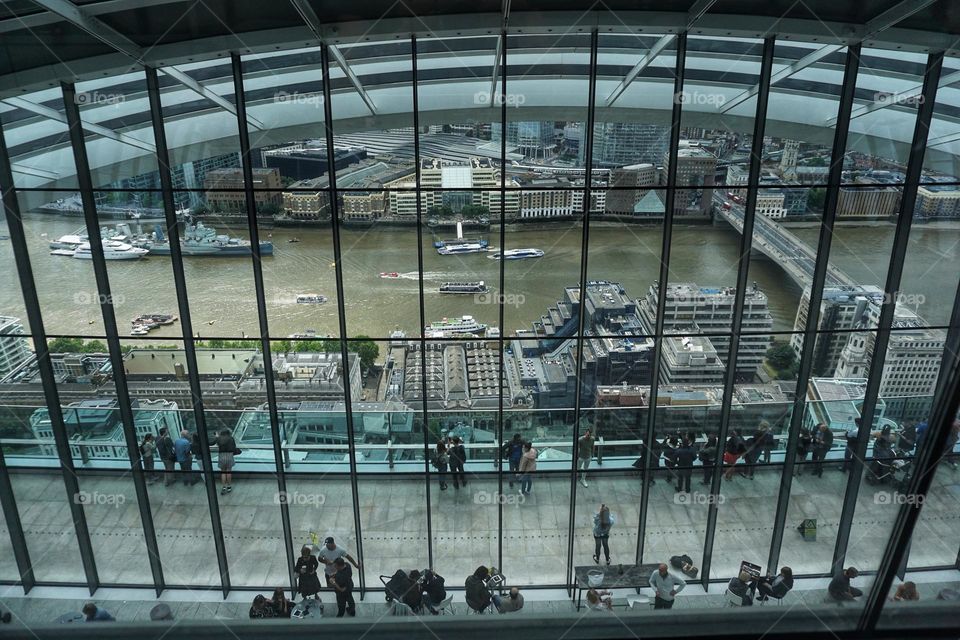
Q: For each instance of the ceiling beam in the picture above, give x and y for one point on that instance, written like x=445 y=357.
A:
x=53 y=114
x=504 y=19
x=696 y=12
x=114 y=39
x=882 y=102
x=17 y=167
x=313 y=22
x=882 y=22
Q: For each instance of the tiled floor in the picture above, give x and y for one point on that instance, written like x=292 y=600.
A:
x=394 y=522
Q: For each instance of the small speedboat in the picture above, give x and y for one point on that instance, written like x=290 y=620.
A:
x=389 y=274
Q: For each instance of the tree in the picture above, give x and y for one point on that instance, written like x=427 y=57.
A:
x=782 y=357
x=816 y=198
x=281 y=346
x=367 y=349
x=440 y=211
x=65 y=345
x=94 y=346
x=474 y=211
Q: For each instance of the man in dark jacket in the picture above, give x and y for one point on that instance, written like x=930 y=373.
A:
x=840 y=588
x=822 y=443
x=513 y=451
x=434 y=591
x=458 y=457
x=685 y=455
x=477 y=594
x=342 y=583
x=851 y=439
x=166 y=452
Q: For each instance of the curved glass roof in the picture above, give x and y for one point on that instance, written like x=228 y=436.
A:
x=455 y=78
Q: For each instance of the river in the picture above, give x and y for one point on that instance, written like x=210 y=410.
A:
x=221 y=290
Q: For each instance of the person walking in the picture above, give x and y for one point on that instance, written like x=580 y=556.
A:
x=708 y=458
x=329 y=553
x=440 y=460
x=181 y=447
x=822 y=443
x=458 y=458
x=665 y=586
x=168 y=457
x=685 y=455
x=147 y=450
x=308 y=583
x=585 y=445
x=226 y=450
x=528 y=464
x=513 y=452
x=603 y=521
x=342 y=583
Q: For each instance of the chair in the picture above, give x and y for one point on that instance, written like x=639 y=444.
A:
x=633 y=599
x=732 y=599
x=445 y=606
x=764 y=599
x=400 y=609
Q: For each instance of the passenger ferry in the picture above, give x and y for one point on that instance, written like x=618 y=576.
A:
x=463 y=287
x=439 y=244
x=311 y=298
x=464 y=325
x=518 y=254
x=465 y=247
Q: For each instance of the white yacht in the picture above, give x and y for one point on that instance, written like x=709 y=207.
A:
x=112 y=250
x=464 y=325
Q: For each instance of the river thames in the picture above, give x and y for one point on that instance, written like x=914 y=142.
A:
x=221 y=290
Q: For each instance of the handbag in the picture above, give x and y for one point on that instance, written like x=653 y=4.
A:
x=237 y=451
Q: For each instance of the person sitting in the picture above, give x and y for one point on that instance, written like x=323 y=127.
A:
x=840 y=588
x=93 y=613
x=599 y=600
x=906 y=592
x=413 y=598
x=477 y=595
x=513 y=602
x=432 y=590
x=741 y=586
x=775 y=586
x=282 y=608
x=261 y=608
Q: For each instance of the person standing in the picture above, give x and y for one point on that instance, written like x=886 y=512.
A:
x=528 y=464
x=226 y=450
x=147 y=449
x=342 y=583
x=308 y=583
x=851 y=438
x=708 y=457
x=584 y=455
x=458 y=458
x=822 y=443
x=329 y=553
x=766 y=441
x=732 y=451
x=952 y=438
x=685 y=455
x=669 y=448
x=665 y=586
x=440 y=461
x=168 y=456
x=513 y=452
x=602 y=523
x=181 y=447
x=804 y=444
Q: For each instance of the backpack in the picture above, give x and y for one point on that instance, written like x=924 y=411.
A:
x=400 y=587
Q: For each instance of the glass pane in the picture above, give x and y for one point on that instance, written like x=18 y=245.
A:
x=116 y=531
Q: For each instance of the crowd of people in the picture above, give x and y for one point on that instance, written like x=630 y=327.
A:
x=182 y=453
